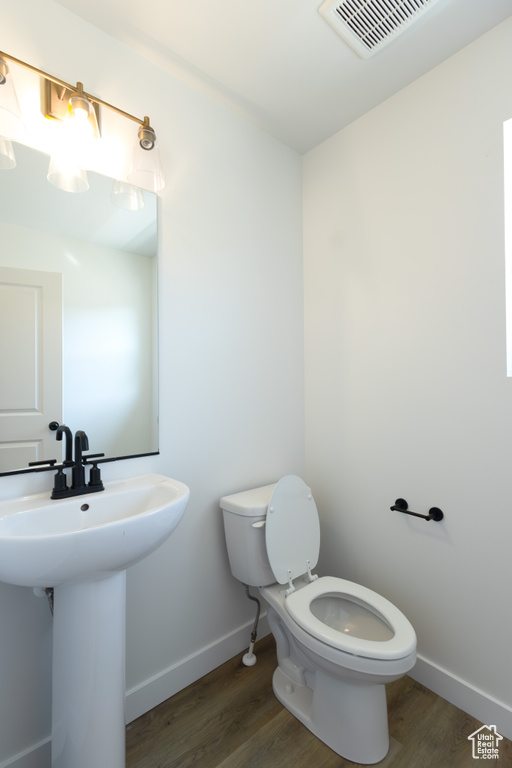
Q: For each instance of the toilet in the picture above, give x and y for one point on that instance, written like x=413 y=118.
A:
x=338 y=643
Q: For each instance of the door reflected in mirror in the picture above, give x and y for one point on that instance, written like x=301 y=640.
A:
x=78 y=317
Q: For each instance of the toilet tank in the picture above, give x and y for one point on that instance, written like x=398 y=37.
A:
x=244 y=526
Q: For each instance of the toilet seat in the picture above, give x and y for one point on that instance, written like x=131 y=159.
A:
x=298 y=605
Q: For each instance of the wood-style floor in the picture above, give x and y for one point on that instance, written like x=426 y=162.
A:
x=231 y=719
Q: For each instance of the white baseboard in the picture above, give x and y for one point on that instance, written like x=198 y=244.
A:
x=152 y=692
x=476 y=703
x=37 y=756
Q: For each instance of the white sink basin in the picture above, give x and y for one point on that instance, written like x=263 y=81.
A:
x=45 y=542
x=81 y=546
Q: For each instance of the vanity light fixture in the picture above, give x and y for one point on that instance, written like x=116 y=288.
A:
x=80 y=112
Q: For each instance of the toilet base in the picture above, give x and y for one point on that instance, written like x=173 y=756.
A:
x=350 y=718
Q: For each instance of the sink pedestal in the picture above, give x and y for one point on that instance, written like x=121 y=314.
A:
x=88 y=718
x=81 y=546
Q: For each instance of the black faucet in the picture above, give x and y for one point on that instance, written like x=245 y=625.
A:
x=78 y=484
x=78 y=471
x=69 y=442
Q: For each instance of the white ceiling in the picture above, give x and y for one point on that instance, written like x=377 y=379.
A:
x=278 y=62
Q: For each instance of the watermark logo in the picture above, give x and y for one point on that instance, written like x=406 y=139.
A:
x=486 y=743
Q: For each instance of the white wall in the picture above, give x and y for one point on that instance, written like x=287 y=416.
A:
x=231 y=378
x=406 y=388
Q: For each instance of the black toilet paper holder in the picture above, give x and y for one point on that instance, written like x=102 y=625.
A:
x=434 y=513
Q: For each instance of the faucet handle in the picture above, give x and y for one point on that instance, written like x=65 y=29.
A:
x=60 y=483
x=49 y=462
x=95 y=481
x=89 y=459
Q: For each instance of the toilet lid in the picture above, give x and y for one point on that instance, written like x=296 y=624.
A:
x=292 y=529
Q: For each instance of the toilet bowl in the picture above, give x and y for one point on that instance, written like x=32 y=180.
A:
x=338 y=643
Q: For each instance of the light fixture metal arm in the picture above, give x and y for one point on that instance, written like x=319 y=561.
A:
x=78 y=88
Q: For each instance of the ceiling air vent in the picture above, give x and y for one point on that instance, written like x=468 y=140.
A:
x=368 y=25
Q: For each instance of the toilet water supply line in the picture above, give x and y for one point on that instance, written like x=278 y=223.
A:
x=249 y=659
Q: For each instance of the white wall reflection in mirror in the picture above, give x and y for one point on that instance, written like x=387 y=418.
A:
x=100 y=347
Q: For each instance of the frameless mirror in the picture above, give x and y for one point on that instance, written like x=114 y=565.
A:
x=78 y=317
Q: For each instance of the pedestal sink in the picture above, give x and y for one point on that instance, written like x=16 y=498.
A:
x=81 y=547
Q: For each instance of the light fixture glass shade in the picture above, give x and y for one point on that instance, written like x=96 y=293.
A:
x=7 y=158
x=65 y=173
x=11 y=123
x=80 y=129
x=146 y=168
x=76 y=142
x=127 y=196
x=81 y=122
